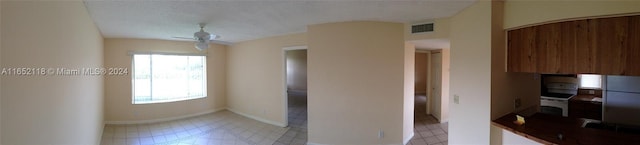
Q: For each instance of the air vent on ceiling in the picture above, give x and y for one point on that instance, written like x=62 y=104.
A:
x=420 y=28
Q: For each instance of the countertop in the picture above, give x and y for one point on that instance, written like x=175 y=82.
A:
x=588 y=98
x=545 y=128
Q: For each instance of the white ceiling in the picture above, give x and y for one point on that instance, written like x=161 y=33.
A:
x=246 y=20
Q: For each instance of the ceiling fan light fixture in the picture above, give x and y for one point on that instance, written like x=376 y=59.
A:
x=202 y=45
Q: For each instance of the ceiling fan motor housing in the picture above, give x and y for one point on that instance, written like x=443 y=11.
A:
x=202 y=35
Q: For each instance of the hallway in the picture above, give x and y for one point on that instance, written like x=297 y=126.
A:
x=427 y=130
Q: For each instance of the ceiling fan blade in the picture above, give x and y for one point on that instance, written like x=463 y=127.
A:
x=213 y=36
x=211 y=41
x=221 y=42
x=186 y=38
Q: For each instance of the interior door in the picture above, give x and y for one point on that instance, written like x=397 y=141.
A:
x=436 y=84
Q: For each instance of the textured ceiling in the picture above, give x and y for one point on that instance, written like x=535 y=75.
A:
x=238 y=21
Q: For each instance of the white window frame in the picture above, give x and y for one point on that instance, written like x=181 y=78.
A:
x=133 y=78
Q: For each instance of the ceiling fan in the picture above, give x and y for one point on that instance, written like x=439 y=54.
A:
x=203 y=38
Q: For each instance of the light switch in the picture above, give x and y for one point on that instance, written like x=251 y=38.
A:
x=456 y=99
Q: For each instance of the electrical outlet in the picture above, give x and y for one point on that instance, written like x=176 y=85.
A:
x=264 y=111
x=380 y=133
x=456 y=99
x=518 y=103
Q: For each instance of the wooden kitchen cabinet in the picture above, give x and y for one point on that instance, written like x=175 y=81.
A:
x=633 y=51
x=523 y=57
x=548 y=48
x=586 y=57
x=576 y=55
x=585 y=109
x=608 y=46
x=612 y=43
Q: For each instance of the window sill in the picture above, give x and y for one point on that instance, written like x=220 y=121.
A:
x=166 y=101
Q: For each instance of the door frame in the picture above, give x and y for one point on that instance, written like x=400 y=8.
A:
x=429 y=83
x=285 y=99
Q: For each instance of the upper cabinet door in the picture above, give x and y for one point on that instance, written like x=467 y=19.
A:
x=514 y=50
x=611 y=44
x=548 y=48
x=633 y=51
x=584 y=41
x=521 y=54
x=568 y=50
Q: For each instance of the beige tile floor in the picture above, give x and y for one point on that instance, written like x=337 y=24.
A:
x=427 y=130
x=227 y=128
x=297 y=133
x=219 y=128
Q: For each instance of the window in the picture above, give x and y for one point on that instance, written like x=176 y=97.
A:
x=161 y=78
x=590 y=81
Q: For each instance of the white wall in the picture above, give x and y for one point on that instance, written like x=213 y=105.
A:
x=356 y=82
x=469 y=120
x=506 y=87
x=50 y=109
x=445 y=85
x=409 y=92
x=255 y=77
x=118 y=89
x=0 y=79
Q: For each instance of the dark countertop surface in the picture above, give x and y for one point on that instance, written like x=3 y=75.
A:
x=545 y=128
x=588 y=98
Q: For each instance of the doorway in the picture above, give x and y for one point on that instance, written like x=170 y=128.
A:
x=429 y=129
x=295 y=75
x=422 y=81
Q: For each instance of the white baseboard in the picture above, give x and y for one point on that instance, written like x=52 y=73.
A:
x=257 y=118
x=101 y=133
x=406 y=140
x=310 y=143
x=163 y=119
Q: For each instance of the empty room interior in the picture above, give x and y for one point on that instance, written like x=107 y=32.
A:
x=417 y=72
